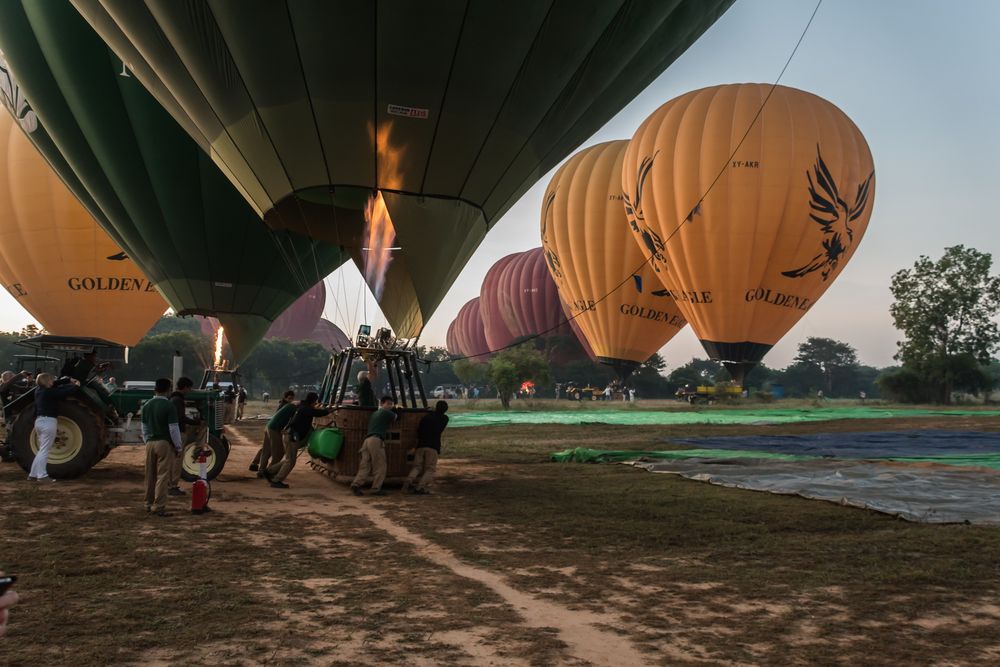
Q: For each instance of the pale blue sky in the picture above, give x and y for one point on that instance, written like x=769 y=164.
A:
x=920 y=78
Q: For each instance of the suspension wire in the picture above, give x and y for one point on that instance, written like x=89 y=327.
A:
x=695 y=210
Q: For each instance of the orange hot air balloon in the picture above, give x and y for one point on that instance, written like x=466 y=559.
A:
x=590 y=251
x=747 y=261
x=55 y=260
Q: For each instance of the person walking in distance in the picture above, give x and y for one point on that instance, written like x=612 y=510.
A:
x=47 y=396
x=241 y=402
x=162 y=435
x=373 y=464
x=296 y=435
x=277 y=449
x=191 y=431
x=428 y=449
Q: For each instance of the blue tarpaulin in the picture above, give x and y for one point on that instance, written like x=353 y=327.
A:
x=884 y=444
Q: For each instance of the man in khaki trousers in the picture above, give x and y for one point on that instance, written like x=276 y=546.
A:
x=162 y=436
x=373 y=463
x=428 y=449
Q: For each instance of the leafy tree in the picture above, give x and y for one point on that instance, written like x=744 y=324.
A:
x=695 y=372
x=153 y=357
x=648 y=380
x=171 y=323
x=470 y=372
x=511 y=368
x=946 y=311
x=31 y=330
x=438 y=371
x=829 y=359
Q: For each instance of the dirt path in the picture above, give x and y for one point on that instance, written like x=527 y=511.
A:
x=580 y=630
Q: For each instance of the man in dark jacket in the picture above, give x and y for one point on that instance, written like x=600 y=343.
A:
x=191 y=431
x=296 y=435
x=428 y=449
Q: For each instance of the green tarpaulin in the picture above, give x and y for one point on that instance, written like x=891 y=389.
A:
x=640 y=418
x=586 y=455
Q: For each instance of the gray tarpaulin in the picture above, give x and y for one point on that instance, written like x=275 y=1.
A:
x=925 y=494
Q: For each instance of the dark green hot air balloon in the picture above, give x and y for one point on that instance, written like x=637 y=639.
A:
x=157 y=192
x=449 y=109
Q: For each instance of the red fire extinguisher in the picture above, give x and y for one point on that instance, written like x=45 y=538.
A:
x=200 y=491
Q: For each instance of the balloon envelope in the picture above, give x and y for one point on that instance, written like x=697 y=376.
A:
x=468 y=335
x=302 y=317
x=330 y=336
x=591 y=254
x=451 y=109
x=787 y=213
x=498 y=335
x=173 y=212
x=55 y=260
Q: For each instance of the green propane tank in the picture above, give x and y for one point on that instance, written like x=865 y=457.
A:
x=325 y=443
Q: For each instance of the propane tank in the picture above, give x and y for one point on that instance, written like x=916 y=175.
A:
x=200 y=490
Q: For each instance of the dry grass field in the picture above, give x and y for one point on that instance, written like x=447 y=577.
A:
x=513 y=561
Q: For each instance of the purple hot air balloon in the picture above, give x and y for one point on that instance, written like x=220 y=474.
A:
x=498 y=335
x=301 y=318
x=468 y=332
x=330 y=336
x=529 y=302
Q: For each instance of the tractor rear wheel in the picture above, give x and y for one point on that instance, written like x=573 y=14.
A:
x=78 y=440
x=218 y=452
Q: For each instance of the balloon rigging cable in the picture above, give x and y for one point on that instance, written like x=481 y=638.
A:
x=690 y=217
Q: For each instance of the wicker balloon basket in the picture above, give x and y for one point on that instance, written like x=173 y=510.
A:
x=353 y=423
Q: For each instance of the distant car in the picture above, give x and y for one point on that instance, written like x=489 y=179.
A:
x=140 y=384
x=445 y=391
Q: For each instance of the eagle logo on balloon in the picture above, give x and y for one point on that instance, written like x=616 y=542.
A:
x=551 y=258
x=834 y=216
x=829 y=210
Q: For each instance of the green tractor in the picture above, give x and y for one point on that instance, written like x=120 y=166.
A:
x=93 y=422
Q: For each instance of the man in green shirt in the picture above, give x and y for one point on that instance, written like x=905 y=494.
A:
x=272 y=450
x=373 y=465
x=162 y=435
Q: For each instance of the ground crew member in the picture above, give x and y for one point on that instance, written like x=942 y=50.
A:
x=47 y=397
x=273 y=448
x=241 y=402
x=229 y=401
x=296 y=435
x=428 y=449
x=277 y=450
x=162 y=436
x=81 y=370
x=191 y=431
x=373 y=465
x=366 y=393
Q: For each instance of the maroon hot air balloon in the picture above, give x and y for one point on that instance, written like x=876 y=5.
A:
x=298 y=322
x=301 y=318
x=451 y=341
x=330 y=336
x=469 y=334
x=498 y=335
x=528 y=299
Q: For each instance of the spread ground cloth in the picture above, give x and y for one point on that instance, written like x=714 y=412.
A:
x=639 y=417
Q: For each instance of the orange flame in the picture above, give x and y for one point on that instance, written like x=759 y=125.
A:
x=218 y=347
x=379 y=236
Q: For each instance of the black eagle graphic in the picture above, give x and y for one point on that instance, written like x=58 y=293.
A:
x=637 y=219
x=118 y=257
x=553 y=261
x=834 y=216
